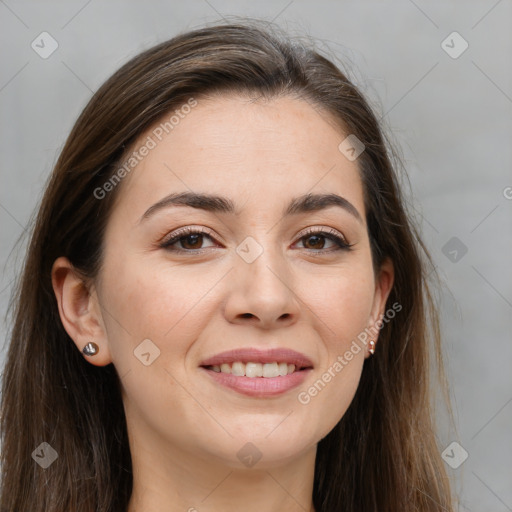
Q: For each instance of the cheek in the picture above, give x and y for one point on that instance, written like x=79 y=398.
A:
x=149 y=300
x=344 y=313
x=329 y=396
x=168 y=308
x=343 y=310
x=343 y=301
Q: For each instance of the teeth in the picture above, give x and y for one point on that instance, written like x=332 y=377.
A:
x=270 y=370
x=250 y=369
x=225 y=368
x=254 y=370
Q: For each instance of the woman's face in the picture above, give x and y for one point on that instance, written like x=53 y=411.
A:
x=250 y=273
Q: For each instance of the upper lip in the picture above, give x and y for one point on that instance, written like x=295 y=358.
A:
x=255 y=355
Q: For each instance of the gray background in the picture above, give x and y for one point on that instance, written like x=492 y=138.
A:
x=451 y=117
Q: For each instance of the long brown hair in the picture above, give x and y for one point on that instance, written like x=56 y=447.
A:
x=381 y=456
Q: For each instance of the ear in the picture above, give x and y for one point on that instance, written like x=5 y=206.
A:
x=383 y=285
x=80 y=310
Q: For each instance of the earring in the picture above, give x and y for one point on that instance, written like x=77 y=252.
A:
x=372 y=347
x=91 y=349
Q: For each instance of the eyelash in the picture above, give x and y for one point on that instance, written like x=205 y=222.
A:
x=341 y=244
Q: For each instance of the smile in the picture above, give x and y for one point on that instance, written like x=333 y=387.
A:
x=258 y=373
x=267 y=370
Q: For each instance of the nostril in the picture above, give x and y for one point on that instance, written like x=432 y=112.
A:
x=247 y=315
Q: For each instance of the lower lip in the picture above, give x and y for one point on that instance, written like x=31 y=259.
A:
x=259 y=386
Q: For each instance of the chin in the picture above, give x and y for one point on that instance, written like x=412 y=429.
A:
x=257 y=449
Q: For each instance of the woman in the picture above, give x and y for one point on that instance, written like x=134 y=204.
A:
x=224 y=304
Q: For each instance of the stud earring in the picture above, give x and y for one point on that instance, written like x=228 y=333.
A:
x=91 y=349
x=372 y=347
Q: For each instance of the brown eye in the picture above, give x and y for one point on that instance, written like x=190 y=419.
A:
x=191 y=241
x=314 y=242
x=188 y=240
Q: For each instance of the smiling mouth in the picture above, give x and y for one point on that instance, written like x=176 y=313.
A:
x=255 y=370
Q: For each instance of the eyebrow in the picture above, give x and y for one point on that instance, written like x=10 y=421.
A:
x=214 y=203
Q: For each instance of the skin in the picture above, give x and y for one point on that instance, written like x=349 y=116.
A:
x=185 y=430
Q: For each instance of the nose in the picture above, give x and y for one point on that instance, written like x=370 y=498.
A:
x=262 y=293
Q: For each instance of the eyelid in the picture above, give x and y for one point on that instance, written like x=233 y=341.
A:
x=322 y=229
x=184 y=231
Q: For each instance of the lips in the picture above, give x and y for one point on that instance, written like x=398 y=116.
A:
x=230 y=370
x=254 y=355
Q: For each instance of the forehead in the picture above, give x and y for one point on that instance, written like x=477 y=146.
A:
x=254 y=151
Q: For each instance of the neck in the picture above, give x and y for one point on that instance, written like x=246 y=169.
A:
x=172 y=480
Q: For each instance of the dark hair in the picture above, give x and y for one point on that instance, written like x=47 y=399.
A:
x=381 y=456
